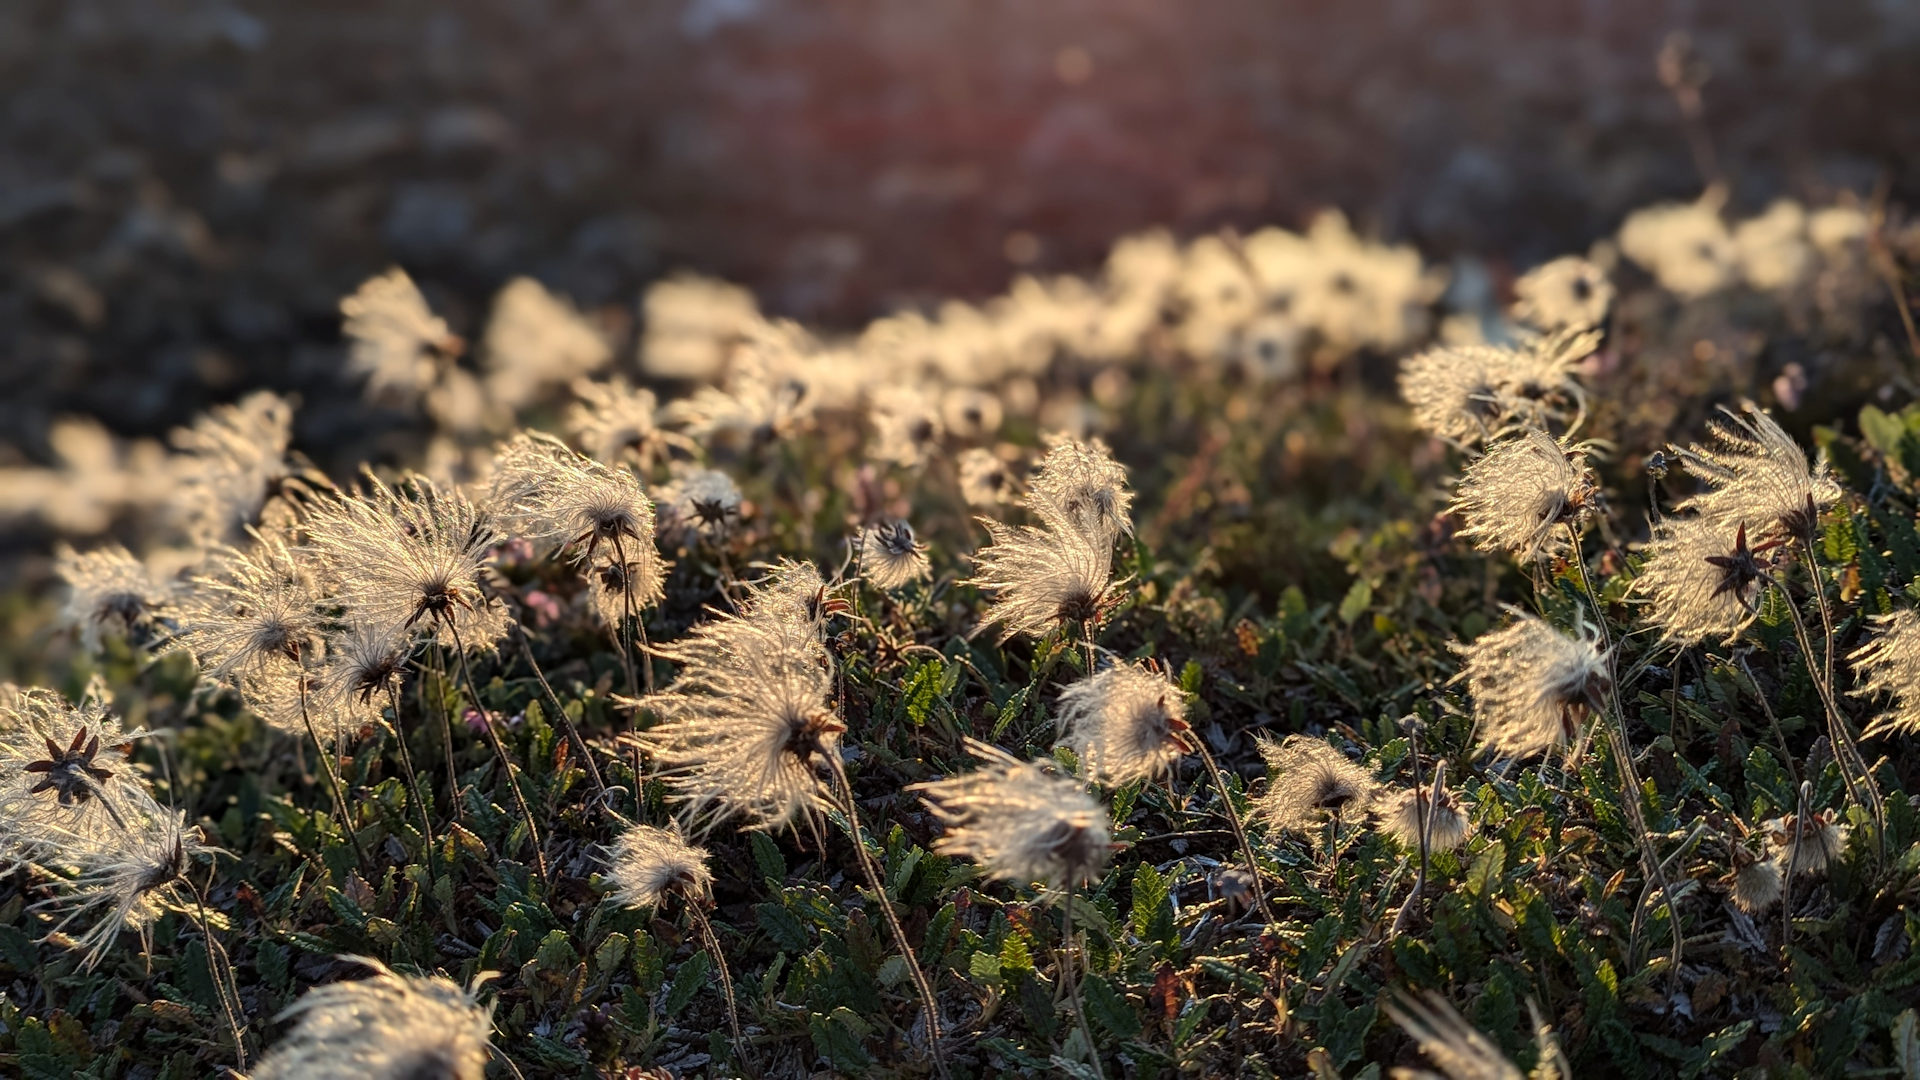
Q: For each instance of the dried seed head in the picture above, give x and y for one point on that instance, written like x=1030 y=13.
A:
x=646 y=864
x=890 y=556
x=248 y=608
x=1532 y=686
x=1311 y=781
x=231 y=461
x=1806 y=845
x=388 y=1027
x=985 y=480
x=1757 y=476
x=1021 y=823
x=1522 y=493
x=1890 y=665
x=1125 y=723
x=1079 y=487
x=110 y=592
x=1567 y=292
x=395 y=341
x=1701 y=579
x=1040 y=579
x=1398 y=815
x=560 y=501
x=612 y=417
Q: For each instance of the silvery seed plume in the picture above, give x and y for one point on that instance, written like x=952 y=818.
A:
x=1124 y=723
x=794 y=591
x=971 y=413
x=1462 y=1053
x=231 y=461
x=1757 y=476
x=1568 y=292
x=1701 y=580
x=985 y=480
x=890 y=557
x=1079 y=486
x=1468 y=394
x=1755 y=884
x=1532 y=686
x=110 y=592
x=907 y=425
x=363 y=660
x=613 y=417
x=1310 y=781
x=703 y=500
x=1890 y=665
x=65 y=778
x=647 y=864
x=608 y=580
x=388 y=1027
x=1520 y=495
x=1809 y=844
x=394 y=340
x=412 y=559
x=1021 y=823
x=1040 y=579
x=1398 y=815
x=248 y=607
x=285 y=695
x=560 y=501
x=534 y=340
x=746 y=722
x=129 y=874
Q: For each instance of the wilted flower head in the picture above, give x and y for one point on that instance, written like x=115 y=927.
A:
x=1702 y=579
x=746 y=722
x=1021 y=823
x=1685 y=245
x=411 y=558
x=612 y=417
x=646 y=864
x=1757 y=476
x=1532 y=686
x=556 y=499
x=1310 y=780
x=231 y=461
x=1462 y=1053
x=984 y=478
x=1078 y=486
x=388 y=1027
x=1040 y=578
x=889 y=555
x=1399 y=814
x=535 y=340
x=109 y=591
x=65 y=778
x=1806 y=845
x=1125 y=723
x=1567 y=292
x=249 y=607
x=1755 y=884
x=395 y=341
x=1519 y=496
x=1890 y=665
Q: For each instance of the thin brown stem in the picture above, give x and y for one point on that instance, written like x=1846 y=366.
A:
x=434 y=670
x=628 y=617
x=1779 y=735
x=219 y=964
x=414 y=791
x=500 y=754
x=1239 y=830
x=712 y=942
x=1861 y=790
x=872 y=872
x=1073 y=985
x=333 y=779
x=560 y=712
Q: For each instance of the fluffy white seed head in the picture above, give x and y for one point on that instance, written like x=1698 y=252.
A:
x=1521 y=494
x=535 y=340
x=1757 y=476
x=249 y=607
x=1567 y=292
x=1125 y=723
x=1398 y=815
x=890 y=557
x=561 y=501
x=388 y=1027
x=985 y=480
x=1890 y=665
x=66 y=783
x=394 y=340
x=647 y=864
x=1806 y=845
x=1310 y=781
x=1040 y=579
x=1702 y=580
x=231 y=461
x=1021 y=823
x=128 y=875
x=109 y=592
x=1078 y=486
x=1532 y=686
x=611 y=418
x=1468 y=394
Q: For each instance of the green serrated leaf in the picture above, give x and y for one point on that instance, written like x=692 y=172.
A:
x=687 y=982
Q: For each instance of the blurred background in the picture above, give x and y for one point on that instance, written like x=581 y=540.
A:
x=188 y=187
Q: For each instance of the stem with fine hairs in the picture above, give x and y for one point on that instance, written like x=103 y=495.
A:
x=333 y=778
x=560 y=711
x=500 y=752
x=414 y=792
x=1239 y=830
x=712 y=943
x=1073 y=985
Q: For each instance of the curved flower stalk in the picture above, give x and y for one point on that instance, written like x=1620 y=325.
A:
x=388 y=1027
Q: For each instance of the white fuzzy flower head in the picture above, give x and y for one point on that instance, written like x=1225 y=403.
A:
x=985 y=480
x=1774 y=251
x=1532 y=686
x=1310 y=781
x=648 y=864
x=1520 y=495
x=535 y=340
x=1757 y=476
x=1806 y=846
x=745 y=725
x=613 y=417
x=560 y=501
x=1021 y=823
x=411 y=559
x=1755 y=884
x=394 y=340
x=1472 y=393
x=130 y=874
x=109 y=592
x=231 y=461
x=1125 y=723
x=1685 y=245
x=249 y=607
x=1398 y=815
x=388 y=1027
x=365 y=661
x=1040 y=579
x=705 y=500
x=66 y=784
x=1702 y=580
x=1568 y=292
x=1890 y=665
x=971 y=413
x=691 y=321
x=907 y=425
x=890 y=557
x=1079 y=486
